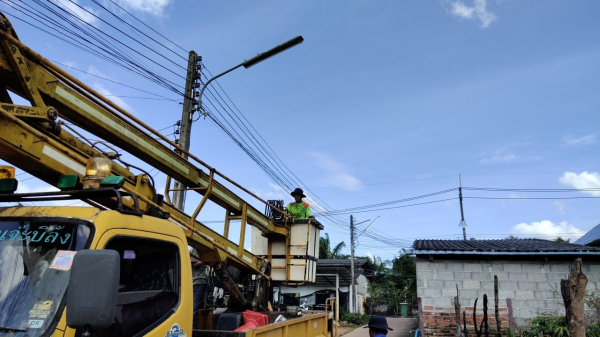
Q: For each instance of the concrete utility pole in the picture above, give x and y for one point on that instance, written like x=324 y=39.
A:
x=192 y=82
x=190 y=102
x=352 y=305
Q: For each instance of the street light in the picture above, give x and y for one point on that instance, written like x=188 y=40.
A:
x=255 y=60
x=377 y=218
x=186 y=120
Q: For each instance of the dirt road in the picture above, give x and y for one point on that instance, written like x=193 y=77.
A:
x=401 y=326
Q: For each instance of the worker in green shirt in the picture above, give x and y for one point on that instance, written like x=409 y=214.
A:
x=299 y=209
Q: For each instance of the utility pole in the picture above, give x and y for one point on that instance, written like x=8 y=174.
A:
x=193 y=98
x=192 y=82
x=462 y=214
x=352 y=288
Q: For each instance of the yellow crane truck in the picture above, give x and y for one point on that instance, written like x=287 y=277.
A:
x=122 y=266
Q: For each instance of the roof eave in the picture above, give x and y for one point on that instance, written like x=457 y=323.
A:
x=457 y=252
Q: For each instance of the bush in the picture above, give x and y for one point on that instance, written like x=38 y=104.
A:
x=550 y=326
x=354 y=319
x=593 y=331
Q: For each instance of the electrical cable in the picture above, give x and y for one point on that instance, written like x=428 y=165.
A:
x=129 y=36
x=133 y=27
x=124 y=10
x=111 y=57
x=113 y=81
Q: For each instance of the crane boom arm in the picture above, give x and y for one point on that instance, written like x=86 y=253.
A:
x=33 y=140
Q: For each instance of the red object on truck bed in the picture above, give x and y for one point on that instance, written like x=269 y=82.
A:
x=257 y=317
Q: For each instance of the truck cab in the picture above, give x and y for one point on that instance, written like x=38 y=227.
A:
x=37 y=249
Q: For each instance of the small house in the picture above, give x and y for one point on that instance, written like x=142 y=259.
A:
x=528 y=271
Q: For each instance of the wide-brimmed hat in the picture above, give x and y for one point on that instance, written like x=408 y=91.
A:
x=298 y=191
x=378 y=322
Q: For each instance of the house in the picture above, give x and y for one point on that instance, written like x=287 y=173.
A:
x=528 y=270
x=313 y=293
x=591 y=238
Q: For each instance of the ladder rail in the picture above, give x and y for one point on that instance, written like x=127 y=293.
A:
x=48 y=157
x=71 y=100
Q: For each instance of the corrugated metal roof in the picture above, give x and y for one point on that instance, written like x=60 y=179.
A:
x=341 y=262
x=591 y=237
x=493 y=247
x=342 y=268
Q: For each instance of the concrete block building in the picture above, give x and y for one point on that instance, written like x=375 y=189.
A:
x=528 y=270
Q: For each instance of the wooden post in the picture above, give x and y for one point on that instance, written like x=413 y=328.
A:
x=465 y=331
x=477 y=331
x=496 y=310
x=573 y=290
x=485 y=316
x=421 y=316
x=457 y=313
x=511 y=319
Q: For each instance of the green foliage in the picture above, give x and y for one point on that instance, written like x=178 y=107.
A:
x=552 y=326
x=555 y=326
x=593 y=331
x=354 y=319
x=325 y=251
x=396 y=284
x=559 y=239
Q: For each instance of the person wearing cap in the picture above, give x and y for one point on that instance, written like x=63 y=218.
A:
x=299 y=209
x=378 y=326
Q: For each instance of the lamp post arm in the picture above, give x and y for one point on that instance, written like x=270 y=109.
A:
x=212 y=79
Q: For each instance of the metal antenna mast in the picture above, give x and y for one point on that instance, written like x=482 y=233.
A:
x=462 y=213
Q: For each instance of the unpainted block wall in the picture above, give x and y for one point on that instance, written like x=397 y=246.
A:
x=533 y=287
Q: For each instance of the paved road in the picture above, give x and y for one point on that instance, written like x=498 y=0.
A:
x=401 y=326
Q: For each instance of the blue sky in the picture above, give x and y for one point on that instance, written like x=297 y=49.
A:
x=386 y=100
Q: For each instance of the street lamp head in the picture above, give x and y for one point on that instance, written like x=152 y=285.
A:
x=272 y=52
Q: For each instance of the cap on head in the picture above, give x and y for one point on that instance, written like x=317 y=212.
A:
x=378 y=322
x=298 y=191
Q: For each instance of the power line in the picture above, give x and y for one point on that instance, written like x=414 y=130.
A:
x=133 y=16
x=129 y=36
x=77 y=41
x=113 y=81
x=133 y=27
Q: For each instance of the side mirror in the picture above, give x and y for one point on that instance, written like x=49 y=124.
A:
x=93 y=288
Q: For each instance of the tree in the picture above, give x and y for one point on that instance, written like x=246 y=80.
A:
x=325 y=251
x=404 y=269
x=559 y=239
x=396 y=284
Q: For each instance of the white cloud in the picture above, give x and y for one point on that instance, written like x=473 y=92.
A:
x=274 y=193
x=477 y=11
x=38 y=189
x=505 y=155
x=84 y=15
x=500 y=156
x=117 y=100
x=548 y=230
x=94 y=71
x=23 y=188
x=580 y=141
x=152 y=7
x=373 y=258
x=68 y=63
x=337 y=174
x=583 y=180
x=560 y=207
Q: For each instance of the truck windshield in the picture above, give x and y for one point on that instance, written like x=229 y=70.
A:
x=35 y=262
